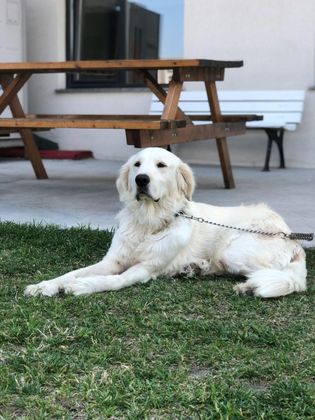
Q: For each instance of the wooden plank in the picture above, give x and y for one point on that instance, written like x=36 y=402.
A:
x=101 y=65
x=133 y=138
x=289 y=122
x=148 y=138
x=62 y=122
x=241 y=117
x=121 y=117
x=198 y=74
x=226 y=118
x=285 y=117
x=31 y=149
x=160 y=93
x=222 y=146
x=171 y=100
x=279 y=118
x=12 y=89
x=9 y=130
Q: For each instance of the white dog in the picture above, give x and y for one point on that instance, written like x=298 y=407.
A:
x=153 y=240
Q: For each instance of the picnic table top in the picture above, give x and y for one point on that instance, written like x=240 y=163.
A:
x=100 y=65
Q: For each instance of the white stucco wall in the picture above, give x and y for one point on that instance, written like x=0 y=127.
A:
x=274 y=38
x=12 y=39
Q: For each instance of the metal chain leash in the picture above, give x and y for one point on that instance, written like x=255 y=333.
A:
x=293 y=236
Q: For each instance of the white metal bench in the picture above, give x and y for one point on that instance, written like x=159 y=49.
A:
x=281 y=110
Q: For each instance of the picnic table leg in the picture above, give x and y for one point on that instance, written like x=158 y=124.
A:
x=170 y=99
x=160 y=93
x=11 y=86
x=221 y=142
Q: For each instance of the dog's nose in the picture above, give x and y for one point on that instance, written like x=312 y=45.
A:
x=142 y=180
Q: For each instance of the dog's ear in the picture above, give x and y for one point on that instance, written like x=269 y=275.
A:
x=122 y=182
x=185 y=180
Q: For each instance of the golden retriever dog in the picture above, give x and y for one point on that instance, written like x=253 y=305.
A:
x=153 y=239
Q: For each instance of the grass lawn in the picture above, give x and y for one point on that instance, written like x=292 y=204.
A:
x=173 y=348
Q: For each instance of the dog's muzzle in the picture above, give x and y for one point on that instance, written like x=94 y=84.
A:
x=142 y=182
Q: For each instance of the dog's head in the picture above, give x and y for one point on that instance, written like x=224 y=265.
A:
x=155 y=174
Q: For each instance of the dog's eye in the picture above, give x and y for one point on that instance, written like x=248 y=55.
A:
x=137 y=164
x=161 y=165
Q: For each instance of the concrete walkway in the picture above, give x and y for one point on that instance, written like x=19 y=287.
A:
x=83 y=192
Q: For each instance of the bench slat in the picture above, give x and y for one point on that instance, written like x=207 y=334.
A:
x=271 y=124
x=103 y=65
x=244 y=107
x=72 y=122
x=247 y=95
x=120 y=117
x=282 y=118
x=226 y=118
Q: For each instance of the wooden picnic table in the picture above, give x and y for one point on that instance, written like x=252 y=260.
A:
x=172 y=126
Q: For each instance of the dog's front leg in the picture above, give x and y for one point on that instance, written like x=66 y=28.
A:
x=138 y=273
x=109 y=265
x=155 y=254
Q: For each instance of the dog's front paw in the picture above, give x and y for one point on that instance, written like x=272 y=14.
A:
x=79 y=286
x=44 y=288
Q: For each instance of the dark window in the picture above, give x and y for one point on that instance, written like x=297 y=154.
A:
x=108 y=30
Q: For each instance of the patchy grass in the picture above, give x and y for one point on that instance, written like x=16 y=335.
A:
x=185 y=348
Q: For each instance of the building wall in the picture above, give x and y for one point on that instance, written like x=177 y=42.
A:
x=274 y=38
x=46 y=42
x=12 y=40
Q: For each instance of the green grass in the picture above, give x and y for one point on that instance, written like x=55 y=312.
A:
x=183 y=348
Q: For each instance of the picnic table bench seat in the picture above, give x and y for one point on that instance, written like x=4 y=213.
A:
x=122 y=122
x=141 y=130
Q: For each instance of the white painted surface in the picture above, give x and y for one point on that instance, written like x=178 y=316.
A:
x=274 y=38
x=11 y=30
x=12 y=37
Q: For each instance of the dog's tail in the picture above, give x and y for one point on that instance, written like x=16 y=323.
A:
x=270 y=283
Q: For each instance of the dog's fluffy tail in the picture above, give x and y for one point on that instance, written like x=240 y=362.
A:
x=270 y=283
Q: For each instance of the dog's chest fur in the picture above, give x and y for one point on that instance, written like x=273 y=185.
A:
x=138 y=240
